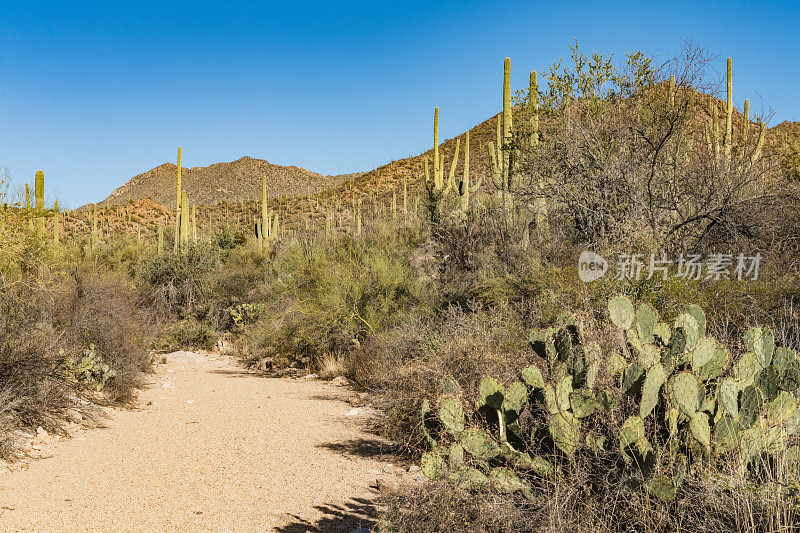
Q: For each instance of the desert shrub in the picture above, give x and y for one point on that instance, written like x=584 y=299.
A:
x=327 y=297
x=31 y=393
x=186 y=334
x=62 y=338
x=226 y=238
x=99 y=309
x=174 y=283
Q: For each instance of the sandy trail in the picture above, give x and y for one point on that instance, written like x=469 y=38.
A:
x=218 y=449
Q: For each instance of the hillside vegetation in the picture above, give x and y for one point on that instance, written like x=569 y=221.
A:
x=237 y=181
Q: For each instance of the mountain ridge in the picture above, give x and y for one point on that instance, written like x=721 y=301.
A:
x=231 y=182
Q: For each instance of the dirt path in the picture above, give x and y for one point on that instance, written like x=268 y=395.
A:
x=212 y=448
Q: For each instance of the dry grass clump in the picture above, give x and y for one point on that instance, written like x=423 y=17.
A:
x=710 y=503
x=330 y=366
x=406 y=364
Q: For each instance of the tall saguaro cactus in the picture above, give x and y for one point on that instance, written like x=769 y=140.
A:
x=178 y=217
x=405 y=198
x=194 y=223
x=267 y=225
x=439 y=187
x=95 y=232
x=540 y=203
x=39 y=209
x=464 y=188
x=56 y=229
x=28 y=205
x=729 y=113
x=184 y=218
x=726 y=144
x=265 y=214
x=501 y=155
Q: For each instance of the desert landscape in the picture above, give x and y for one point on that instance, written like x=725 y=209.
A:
x=580 y=314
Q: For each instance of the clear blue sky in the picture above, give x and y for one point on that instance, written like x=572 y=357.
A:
x=96 y=92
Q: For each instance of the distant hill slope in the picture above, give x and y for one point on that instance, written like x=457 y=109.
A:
x=228 y=182
x=389 y=177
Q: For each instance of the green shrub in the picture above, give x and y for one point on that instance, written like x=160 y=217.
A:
x=186 y=334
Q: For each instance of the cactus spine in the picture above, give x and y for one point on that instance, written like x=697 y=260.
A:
x=39 y=209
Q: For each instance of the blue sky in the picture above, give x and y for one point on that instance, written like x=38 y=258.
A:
x=96 y=92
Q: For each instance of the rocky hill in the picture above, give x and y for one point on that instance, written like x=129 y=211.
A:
x=232 y=182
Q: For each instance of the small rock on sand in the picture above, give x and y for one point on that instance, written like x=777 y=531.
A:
x=340 y=381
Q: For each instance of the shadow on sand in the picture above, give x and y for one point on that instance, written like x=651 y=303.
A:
x=354 y=514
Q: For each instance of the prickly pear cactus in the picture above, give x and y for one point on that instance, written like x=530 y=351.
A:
x=684 y=398
x=88 y=369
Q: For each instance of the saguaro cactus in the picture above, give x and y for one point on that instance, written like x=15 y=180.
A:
x=540 y=203
x=28 y=205
x=725 y=145
x=39 y=209
x=265 y=214
x=194 y=223
x=178 y=239
x=56 y=229
x=438 y=187
x=729 y=113
x=464 y=188
x=95 y=235
x=405 y=198
x=501 y=155
x=184 y=218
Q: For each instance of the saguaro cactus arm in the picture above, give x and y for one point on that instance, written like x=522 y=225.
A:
x=451 y=182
